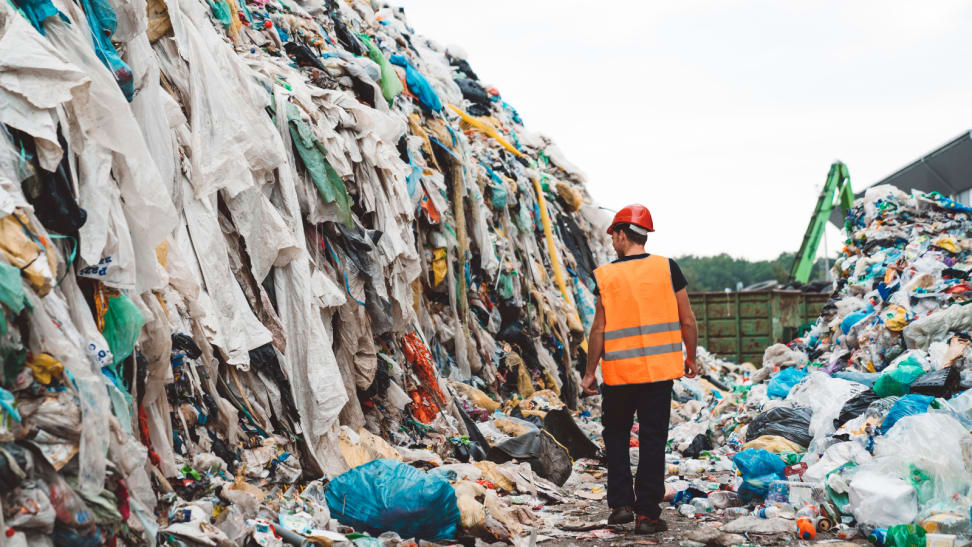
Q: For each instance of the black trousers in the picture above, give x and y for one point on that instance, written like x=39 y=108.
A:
x=653 y=403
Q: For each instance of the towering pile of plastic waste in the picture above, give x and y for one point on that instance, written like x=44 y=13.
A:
x=249 y=245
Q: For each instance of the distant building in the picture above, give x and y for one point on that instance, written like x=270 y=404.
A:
x=946 y=170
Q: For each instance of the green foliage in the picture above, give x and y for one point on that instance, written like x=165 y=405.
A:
x=719 y=272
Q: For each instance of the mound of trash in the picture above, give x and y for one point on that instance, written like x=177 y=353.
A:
x=861 y=426
x=251 y=246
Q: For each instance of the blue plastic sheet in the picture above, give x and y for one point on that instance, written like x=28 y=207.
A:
x=102 y=20
x=909 y=405
x=783 y=382
x=759 y=468
x=418 y=85
x=387 y=495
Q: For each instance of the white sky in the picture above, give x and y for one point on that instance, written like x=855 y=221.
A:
x=722 y=116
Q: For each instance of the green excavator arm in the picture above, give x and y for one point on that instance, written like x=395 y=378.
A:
x=838 y=186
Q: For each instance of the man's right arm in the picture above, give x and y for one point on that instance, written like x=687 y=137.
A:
x=595 y=349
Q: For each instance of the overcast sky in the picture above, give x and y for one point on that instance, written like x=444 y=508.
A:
x=722 y=116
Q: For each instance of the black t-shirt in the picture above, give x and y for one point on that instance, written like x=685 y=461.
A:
x=678 y=278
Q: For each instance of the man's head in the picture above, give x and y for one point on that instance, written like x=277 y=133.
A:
x=629 y=239
x=629 y=230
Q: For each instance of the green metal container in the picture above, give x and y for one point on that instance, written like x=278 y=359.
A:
x=739 y=326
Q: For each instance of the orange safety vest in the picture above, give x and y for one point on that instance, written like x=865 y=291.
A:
x=642 y=333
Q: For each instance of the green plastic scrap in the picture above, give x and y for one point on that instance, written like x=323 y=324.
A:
x=188 y=471
x=922 y=483
x=123 y=322
x=221 y=11
x=391 y=86
x=11 y=293
x=312 y=153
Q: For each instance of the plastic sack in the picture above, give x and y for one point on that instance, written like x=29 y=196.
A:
x=792 y=423
x=933 y=444
x=908 y=405
x=938 y=383
x=882 y=500
x=825 y=396
x=390 y=495
x=905 y=535
x=897 y=381
x=545 y=455
x=783 y=382
x=123 y=322
x=773 y=443
x=758 y=468
x=855 y=406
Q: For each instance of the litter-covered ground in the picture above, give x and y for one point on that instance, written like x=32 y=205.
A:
x=287 y=272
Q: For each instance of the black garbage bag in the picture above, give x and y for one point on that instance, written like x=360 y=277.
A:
x=939 y=383
x=564 y=429
x=51 y=193
x=476 y=94
x=462 y=65
x=13 y=466
x=789 y=423
x=185 y=343
x=855 y=406
x=699 y=444
x=478 y=445
x=538 y=448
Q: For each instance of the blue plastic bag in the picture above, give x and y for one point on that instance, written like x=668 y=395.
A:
x=418 y=85
x=909 y=405
x=385 y=495
x=759 y=468
x=783 y=382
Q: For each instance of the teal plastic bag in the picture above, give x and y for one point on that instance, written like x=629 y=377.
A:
x=123 y=323
x=384 y=495
x=909 y=405
x=897 y=381
x=783 y=382
x=905 y=535
x=758 y=468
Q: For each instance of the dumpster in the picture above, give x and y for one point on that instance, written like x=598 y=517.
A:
x=741 y=325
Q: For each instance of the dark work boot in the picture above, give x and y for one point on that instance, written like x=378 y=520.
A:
x=621 y=515
x=646 y=525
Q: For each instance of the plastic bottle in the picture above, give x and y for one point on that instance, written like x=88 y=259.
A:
x=877 y=536
x=779 y=492
x=725 y=498
x=690 y=467
x=736 y=511
x=805 y=528
x=702 y=505
x=808 y=511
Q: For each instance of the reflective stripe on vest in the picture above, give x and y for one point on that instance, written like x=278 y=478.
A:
x=642 y=334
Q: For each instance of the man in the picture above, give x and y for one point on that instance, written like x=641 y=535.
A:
x=642 y=321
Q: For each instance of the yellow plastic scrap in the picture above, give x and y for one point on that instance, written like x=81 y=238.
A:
x=555 y=256
x=948 y=244
x=440 y=268
x=570 y=195
x=45 y=368
x=774 y=444
x=27 y=254
x=489 y=130
x=895 y=318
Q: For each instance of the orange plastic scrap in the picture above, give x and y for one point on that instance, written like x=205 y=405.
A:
x=424 y=408
x=419 y=357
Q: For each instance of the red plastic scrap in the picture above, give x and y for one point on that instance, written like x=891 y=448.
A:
x=419 y=357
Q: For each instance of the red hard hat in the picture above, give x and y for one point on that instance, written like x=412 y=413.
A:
x=633 y=214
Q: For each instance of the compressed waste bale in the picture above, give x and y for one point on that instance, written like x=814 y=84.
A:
x=758 y=468
x=545 y=455
x=390 y=495
x=781 y=384
x=856 y=406
x=938 y=383
x=792 y=423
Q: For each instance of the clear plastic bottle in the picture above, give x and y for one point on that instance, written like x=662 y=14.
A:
x=725 y=498
x=702 y=505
